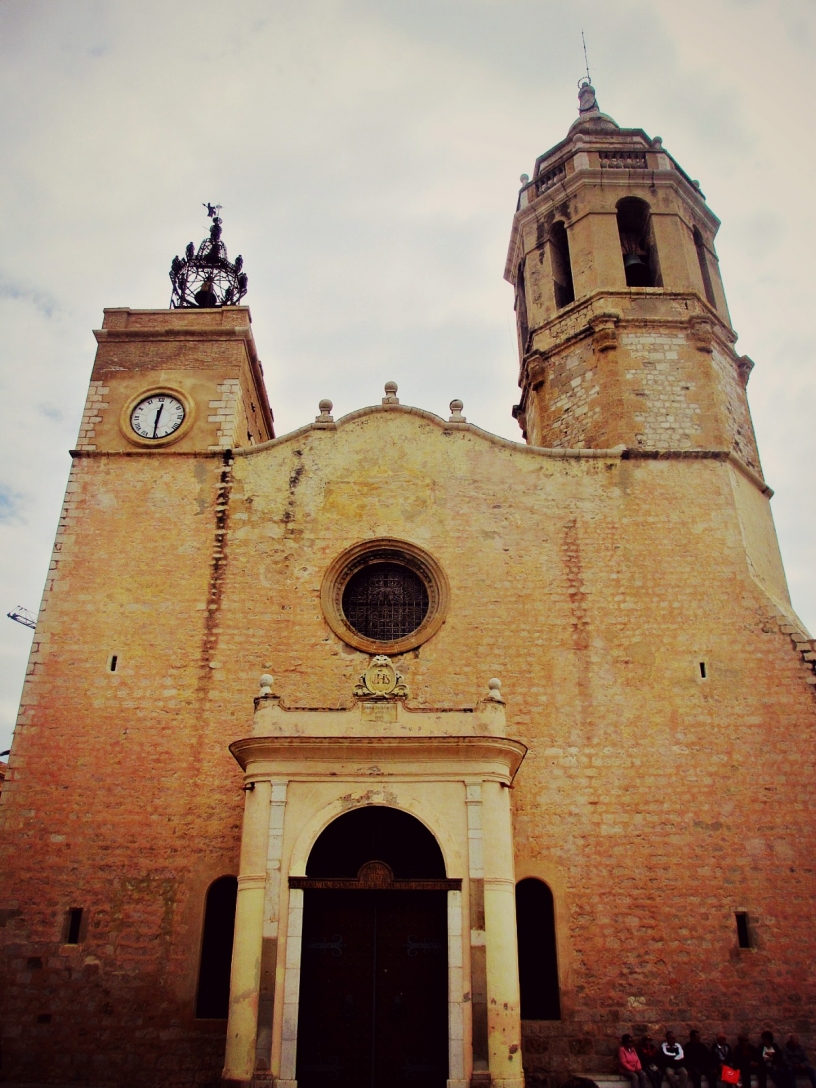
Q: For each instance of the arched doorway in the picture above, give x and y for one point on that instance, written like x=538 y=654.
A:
x=373 y=1009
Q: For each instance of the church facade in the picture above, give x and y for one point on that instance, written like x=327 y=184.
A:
x=389 y=751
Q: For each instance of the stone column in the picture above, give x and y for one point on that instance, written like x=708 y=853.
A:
x=242 y=1026
x=503 y=1014
x=480 y=1077
x=456 y=1019
x=291 y=990
x=269 y=955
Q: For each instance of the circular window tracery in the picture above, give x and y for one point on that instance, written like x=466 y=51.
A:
x=385 y=601
x=384 y=596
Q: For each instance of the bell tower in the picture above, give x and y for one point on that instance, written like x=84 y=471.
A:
x=624 y=333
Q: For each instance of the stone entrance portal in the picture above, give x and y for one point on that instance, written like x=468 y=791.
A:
x=374 y=961
x=375 y=932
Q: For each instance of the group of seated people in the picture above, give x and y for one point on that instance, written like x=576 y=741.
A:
x=647 y=1065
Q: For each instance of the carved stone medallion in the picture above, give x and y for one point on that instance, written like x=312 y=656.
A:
x=381 y=681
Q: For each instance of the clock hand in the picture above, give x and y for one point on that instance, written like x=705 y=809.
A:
x=156 y=421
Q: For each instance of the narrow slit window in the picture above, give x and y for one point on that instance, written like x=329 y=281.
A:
x=743 y=931
x=703 y=672
x=113 y=662
x=537 y=954
x=702 y=257
x=638 y=249
x=563 y=286
x=73 y=925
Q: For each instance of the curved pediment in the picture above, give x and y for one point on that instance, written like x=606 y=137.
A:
x=380 y=414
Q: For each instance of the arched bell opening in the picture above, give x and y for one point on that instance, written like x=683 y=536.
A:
x=705 y=272
x=520 y=305
x=640 y=260
x=563 y=287
x=373 y=1006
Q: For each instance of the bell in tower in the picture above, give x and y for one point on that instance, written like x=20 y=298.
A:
x=624 y=333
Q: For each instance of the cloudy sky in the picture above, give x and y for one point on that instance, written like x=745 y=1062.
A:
x=367 y=156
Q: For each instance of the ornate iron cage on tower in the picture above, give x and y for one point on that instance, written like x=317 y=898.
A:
x=206 y=277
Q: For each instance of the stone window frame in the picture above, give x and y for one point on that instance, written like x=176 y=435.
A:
x=384 y=550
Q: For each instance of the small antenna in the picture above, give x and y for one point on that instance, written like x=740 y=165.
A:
x=586 y=60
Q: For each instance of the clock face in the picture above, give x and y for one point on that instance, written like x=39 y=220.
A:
x=157 y=416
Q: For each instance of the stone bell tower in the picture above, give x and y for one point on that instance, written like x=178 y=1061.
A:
x=624 y=333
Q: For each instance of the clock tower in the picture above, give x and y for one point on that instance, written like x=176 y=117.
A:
x=188 y=378
x=179 y=380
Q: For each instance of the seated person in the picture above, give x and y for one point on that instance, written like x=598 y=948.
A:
x=671 y=1061
x=722 y=1054
x=774 y=1064
x=698 y=1061
x=797 y=1059
x=747 y=1060
x=629 y=1063
x=650 y=1061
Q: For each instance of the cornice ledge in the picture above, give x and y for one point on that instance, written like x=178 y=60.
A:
x=635 y=454
x=218 y=455
x=750 y=474
x=342 y=749
x=604 y=304
x=167 y=332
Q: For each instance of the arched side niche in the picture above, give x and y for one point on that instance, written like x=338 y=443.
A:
x=376 y=833
x=537 y=954
x=563 y=287
x=638 y=249
x=212 y=998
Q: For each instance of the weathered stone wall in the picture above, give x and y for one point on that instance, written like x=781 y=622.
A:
x=654 y=802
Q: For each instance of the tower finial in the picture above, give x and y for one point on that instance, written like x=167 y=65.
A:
x=587 y=102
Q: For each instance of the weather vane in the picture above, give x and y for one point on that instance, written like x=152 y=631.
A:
x=205 y=277
x=586 y=59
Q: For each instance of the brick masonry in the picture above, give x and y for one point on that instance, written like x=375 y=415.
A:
x=594 y=577
x=654 y=803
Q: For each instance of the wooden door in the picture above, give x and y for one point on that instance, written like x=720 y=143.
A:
x=373 y=991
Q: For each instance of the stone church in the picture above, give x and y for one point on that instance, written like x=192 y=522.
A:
x=390 y=752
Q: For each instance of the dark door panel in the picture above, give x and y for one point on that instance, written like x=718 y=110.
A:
x=373 y=992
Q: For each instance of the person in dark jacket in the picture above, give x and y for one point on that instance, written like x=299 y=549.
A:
x=672 y=1062
x=698 y=1061
x=797 y=1059
x=747 y=1061
x=650 y=1060
x=774 y=1064
x=723 y=1054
